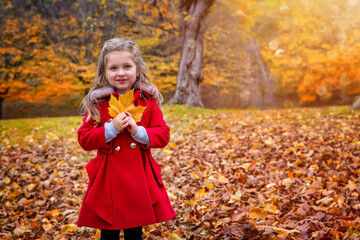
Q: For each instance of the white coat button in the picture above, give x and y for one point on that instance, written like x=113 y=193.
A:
x=117 y=148
x=133 y=145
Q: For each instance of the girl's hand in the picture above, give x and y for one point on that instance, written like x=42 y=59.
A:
x=121 y=121
x=132 y=126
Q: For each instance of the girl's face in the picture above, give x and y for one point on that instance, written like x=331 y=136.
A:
x=120 y=70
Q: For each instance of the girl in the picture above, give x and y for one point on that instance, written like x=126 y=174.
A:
x=125 y=189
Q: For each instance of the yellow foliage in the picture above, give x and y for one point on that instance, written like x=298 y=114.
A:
x=38 y=66
x=125 y=104
x=319 y=49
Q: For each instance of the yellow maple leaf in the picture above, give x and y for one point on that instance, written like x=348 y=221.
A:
x=257 y=212
x=125 y=104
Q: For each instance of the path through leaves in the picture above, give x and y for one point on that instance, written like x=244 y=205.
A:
x=274 y=174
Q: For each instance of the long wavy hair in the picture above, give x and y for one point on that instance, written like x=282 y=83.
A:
x=112 y=45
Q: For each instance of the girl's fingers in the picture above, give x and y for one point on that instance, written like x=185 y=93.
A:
x=125 y=120
x=128 y=114
x=125 y=125
x=123 y=116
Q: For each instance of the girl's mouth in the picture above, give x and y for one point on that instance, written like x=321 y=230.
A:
x=121 y=80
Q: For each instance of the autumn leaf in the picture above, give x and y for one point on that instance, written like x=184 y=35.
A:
x=236 y=197
x=271 y=209
x=47 y=227
x=98 y=234
x=194 y=175
x=351 y=185
x=314 y=168
x=326 y=200
x=166 y=151
x=222 y=179
x=172 y=145
x=210 y=186
x=54 y=212
x=283 y=231
x=69 y=228
x=257 y=212
x=20 y=231
x=125 y=104
x=200 y=193
x=30 y=187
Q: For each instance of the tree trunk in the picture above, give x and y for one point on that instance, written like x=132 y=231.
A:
x=356 y=104
x=259 y=86
x=192 y=31
x=1 y=104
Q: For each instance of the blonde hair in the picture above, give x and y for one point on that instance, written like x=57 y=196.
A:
x=112 y=45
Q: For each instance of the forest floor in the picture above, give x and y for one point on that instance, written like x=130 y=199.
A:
x=230 y=174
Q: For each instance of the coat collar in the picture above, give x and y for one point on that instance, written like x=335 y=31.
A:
x=137 y=94
x=100 y=94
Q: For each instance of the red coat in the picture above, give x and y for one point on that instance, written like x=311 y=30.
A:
x=125 y=188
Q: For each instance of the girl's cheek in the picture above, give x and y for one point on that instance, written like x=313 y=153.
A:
x=109 y=75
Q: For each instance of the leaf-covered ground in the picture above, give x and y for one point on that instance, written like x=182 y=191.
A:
x=274 y=174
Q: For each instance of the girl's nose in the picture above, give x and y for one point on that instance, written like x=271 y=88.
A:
x=121 y=72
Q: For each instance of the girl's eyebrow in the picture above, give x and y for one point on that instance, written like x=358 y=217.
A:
x=124 y=63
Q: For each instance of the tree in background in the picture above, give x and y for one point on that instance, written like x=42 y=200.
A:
x=192 y=30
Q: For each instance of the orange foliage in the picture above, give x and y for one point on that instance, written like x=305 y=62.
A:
x=333 y=77
x=313 y=49
x=47 y=57
x=33 y=71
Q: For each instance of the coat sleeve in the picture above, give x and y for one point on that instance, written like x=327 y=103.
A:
x=158 y=131
x=91 y=136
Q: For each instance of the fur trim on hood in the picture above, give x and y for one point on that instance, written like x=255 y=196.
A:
x=99 y=94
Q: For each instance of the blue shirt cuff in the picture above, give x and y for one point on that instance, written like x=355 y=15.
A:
x=110 y=131
x=141 y=136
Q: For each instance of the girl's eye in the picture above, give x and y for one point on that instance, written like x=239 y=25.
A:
x=113 y=68
x=127 y=66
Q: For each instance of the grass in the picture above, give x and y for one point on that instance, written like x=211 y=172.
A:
x=26 y=126
x=15 y=129
x=339 y=110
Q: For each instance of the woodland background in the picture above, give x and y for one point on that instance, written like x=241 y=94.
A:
x=285 y=173
x=295 y=53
